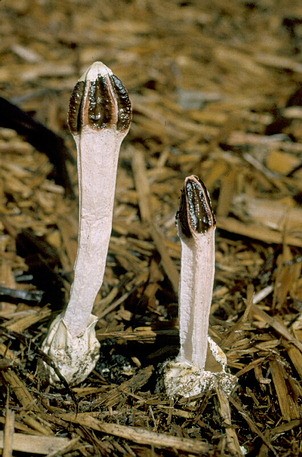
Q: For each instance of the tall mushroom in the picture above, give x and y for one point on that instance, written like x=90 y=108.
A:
x=187 y=375
x=99 y=119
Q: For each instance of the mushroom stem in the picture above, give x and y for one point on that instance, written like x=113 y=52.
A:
x=187 y=375
x=99 y=119
x=196 y=228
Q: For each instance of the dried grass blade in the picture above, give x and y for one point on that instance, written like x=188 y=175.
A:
x=231 y=436
x=289 y=408
x=143 y=193
x=27 y=401
x=139 y=435
x=32 y=444
x=8 y=434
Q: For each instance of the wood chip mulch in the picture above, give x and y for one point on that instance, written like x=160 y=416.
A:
x=216 y=88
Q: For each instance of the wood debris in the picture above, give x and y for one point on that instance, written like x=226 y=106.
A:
x=217 y=92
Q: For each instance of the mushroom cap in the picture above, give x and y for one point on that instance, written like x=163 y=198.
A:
x=95 y=70
x=99 y=101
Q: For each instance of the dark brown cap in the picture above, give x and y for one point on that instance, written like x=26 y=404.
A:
x=99 y=100
x=195 y=213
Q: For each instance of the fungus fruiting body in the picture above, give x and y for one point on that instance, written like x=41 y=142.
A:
x=99 y=119
x=188 y=374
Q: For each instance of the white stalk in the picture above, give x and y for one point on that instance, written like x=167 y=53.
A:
x=195 y=296
x=187 y=375
x=99 y=119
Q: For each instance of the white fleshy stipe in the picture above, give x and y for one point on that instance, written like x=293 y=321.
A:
x=195 y=296
x=97 y=164
x=74 y=356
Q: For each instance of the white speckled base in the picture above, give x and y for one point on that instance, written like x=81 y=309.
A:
x=183 y=379
x=75 y=357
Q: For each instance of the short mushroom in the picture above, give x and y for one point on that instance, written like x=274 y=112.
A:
x=99 y=119
x=188 y=374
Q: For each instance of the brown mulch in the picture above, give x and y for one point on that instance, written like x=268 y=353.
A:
x=216 y=88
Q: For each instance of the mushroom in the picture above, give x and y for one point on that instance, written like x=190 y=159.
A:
x=188 y=375
x=99 y=119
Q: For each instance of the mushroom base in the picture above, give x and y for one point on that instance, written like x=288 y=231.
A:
x=74 y=356
x=186 y=380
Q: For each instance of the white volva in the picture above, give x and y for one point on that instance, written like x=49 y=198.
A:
x=99 y=119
